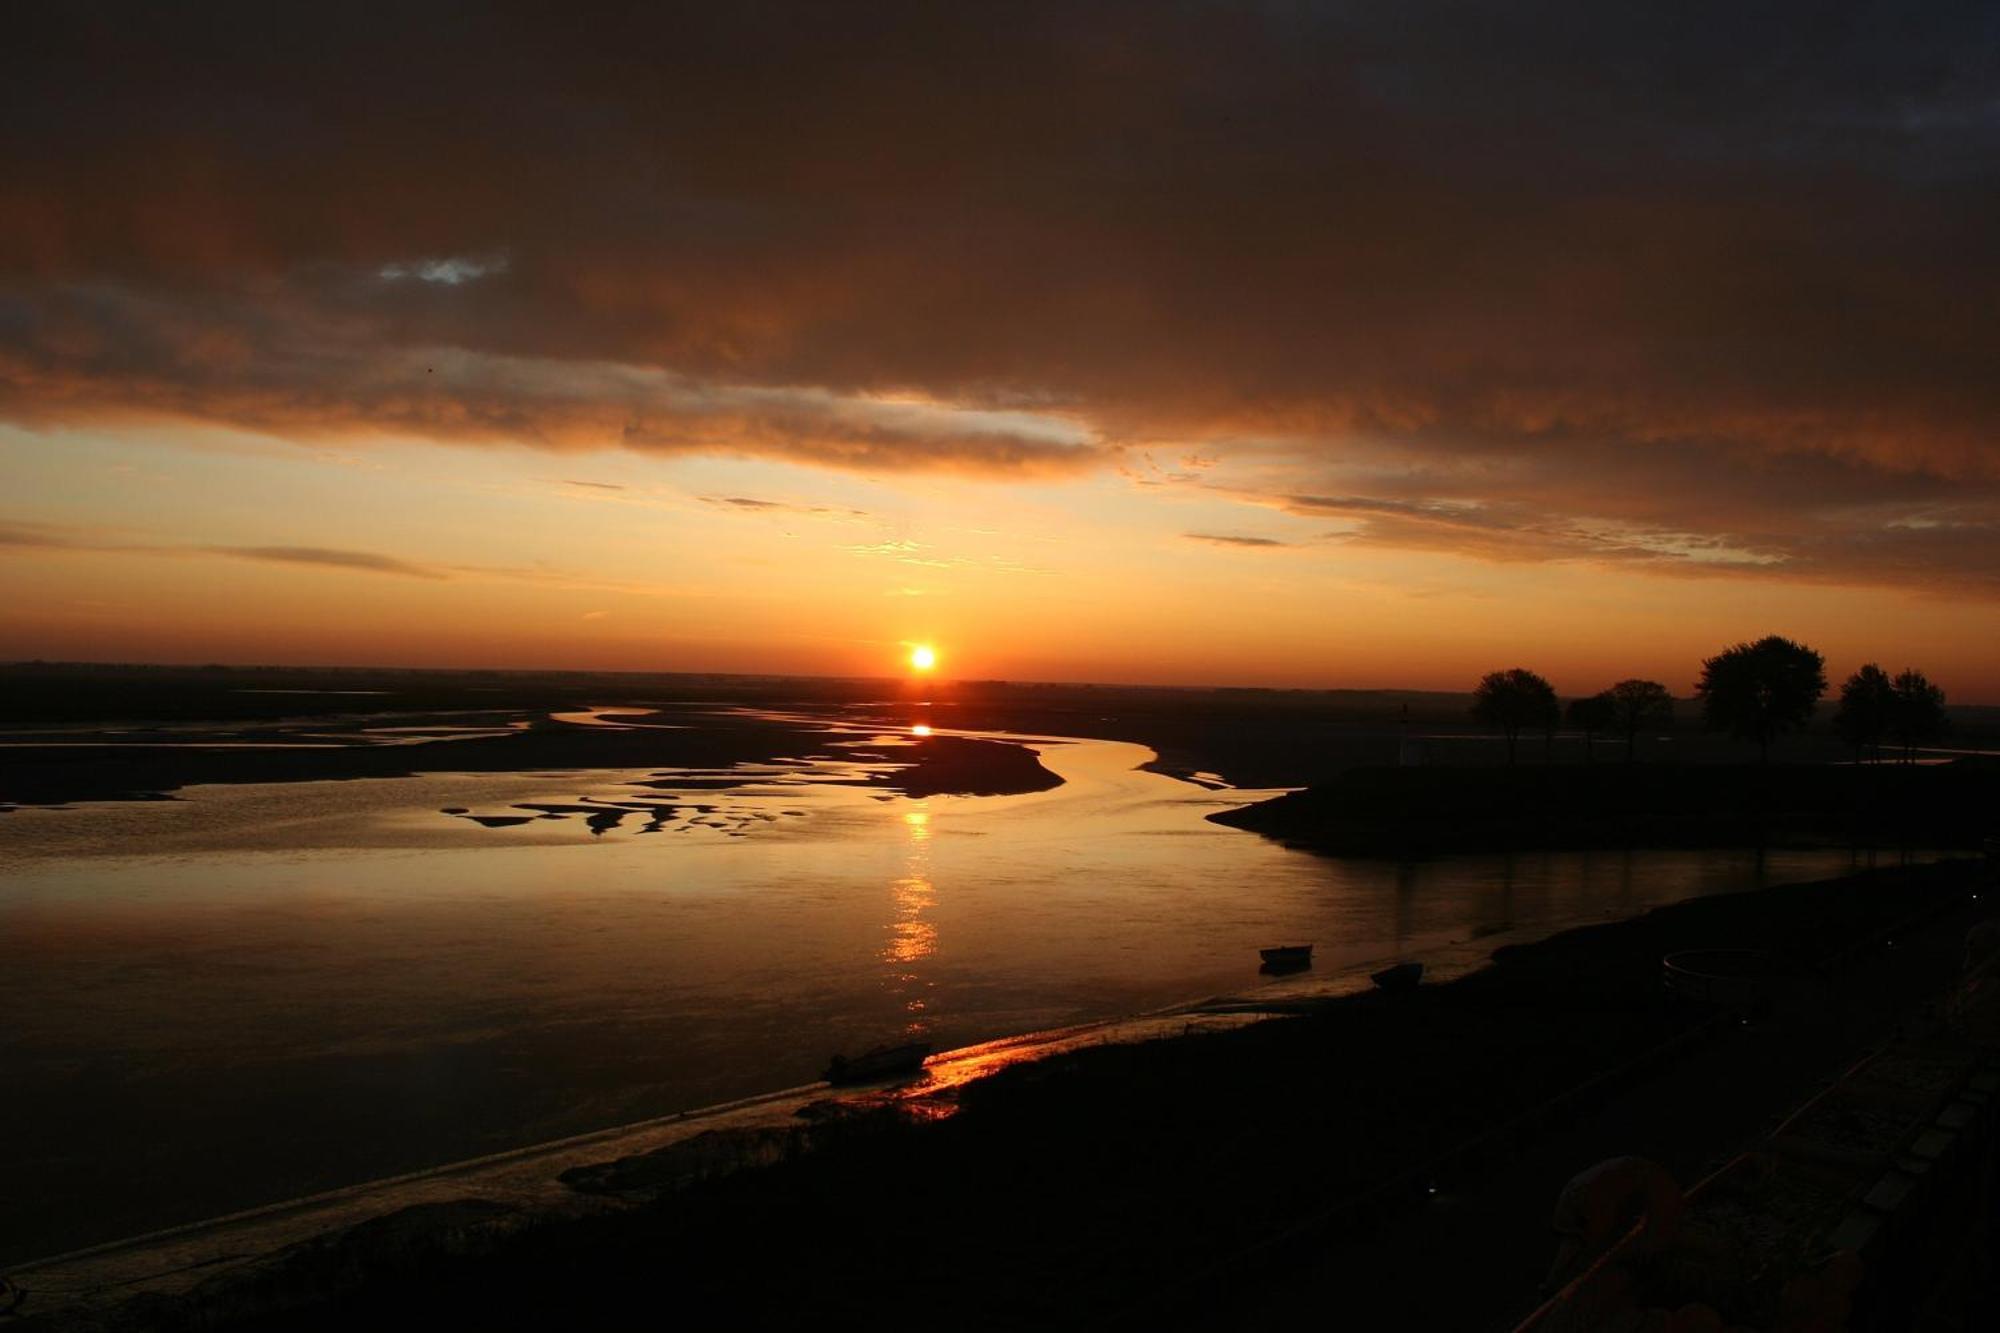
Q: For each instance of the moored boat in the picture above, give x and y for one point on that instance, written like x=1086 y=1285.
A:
x=878 y=1062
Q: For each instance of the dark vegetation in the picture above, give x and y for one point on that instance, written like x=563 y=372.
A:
x=1123 y=1186
x=1761 y=691
x=1636 y=706
x=1514 y=701
x=1907 y=710
x=1590 y=715
x=1752 y=692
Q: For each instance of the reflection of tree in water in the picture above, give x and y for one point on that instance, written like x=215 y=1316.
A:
x=912 y=938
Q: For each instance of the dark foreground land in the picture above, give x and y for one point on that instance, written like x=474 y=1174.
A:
x=1419 y=811
x=1381 y=1161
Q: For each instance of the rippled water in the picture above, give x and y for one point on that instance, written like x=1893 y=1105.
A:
x=258 y=991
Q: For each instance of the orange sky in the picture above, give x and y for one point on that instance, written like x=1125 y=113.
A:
x=195 y=546
x=1287 y=347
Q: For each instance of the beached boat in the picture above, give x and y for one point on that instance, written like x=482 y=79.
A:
x=1287 y=957
x=878 y=1062
x=1403 y=976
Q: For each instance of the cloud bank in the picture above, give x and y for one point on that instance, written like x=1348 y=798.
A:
x=1705 y=289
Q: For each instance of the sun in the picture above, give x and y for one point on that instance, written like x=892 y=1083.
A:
x=923 y=657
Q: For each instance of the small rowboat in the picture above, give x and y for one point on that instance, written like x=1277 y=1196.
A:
x=878 y=1062
x=1287 y=957
x=1403 y=976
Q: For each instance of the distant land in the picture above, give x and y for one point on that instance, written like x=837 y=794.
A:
x=1244 y=736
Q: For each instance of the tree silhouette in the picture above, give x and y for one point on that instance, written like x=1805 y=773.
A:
x=1590 y=715
x=1916 y=712
x=1513 y=700
x=1867 y=701
x=1759 y=691
x=1639 y=704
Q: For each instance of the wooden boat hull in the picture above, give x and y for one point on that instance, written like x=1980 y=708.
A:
x=1287 y=957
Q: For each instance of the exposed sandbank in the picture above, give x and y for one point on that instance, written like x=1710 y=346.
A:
x=87 y=765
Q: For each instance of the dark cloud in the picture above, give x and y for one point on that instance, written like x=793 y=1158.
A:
x=1220 y=539
x=26 y=536
x=366 y=561
x=38 y=537
x=596 y=485
x=108 y=353
x=1705 y=285
x=750 y=504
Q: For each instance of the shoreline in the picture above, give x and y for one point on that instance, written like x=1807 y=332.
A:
x=1048 y=1083
x=1427 y=811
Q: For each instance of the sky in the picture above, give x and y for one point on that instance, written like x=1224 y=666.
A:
x=1257 y=344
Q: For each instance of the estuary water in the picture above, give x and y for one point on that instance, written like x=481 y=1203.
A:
x=258 y=991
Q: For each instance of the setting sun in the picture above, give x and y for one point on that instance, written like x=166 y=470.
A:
x=923 y=657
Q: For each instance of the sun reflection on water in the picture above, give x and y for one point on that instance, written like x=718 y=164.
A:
x=912 y=938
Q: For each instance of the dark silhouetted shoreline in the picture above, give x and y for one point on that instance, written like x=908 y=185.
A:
x=1422 y=811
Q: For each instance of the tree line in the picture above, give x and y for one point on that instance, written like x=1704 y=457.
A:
x=1756 y=692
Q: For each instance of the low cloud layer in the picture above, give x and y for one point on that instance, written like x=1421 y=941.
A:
x=25 y=538
x=365 y=561
x=1223 y=539
x=1705 y=289
x=750 y=504
x=28 y=538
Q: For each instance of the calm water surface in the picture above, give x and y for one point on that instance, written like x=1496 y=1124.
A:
x=264 y=990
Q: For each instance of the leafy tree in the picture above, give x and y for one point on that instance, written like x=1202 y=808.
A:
x=1759 y=691
x=1639 y=704
x=1590 y=715
x=1867 y=702
x=1514 y=700
x=1916 y=712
